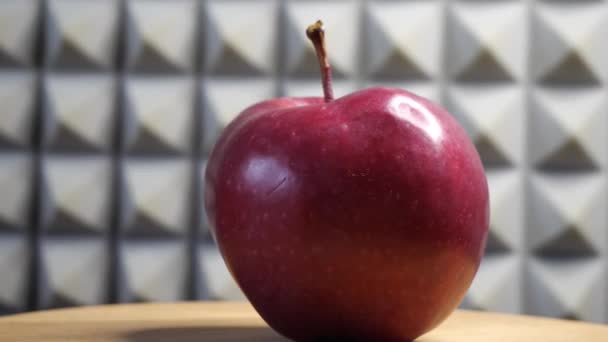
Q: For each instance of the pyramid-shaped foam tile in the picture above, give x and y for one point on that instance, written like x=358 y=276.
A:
x=155 y=270
x=506 y=204
x=241 y=44
x=393 y=46
x=157 y=197
x=567 y=288
x=340 y=20
x=14 y=259
x=218 y=281
x=17 y=95
x=76 y=271
x=18 y=29
x=161 y=35
x=16 y=173
x=160 y=115
x=83 y=34
x=79 y=194
x=224 y=99
x=566 y=215
x=574 y=124
x=486 y=41
x=493 y=117
x=497 y=285
x=568 y=41
x=80 y=112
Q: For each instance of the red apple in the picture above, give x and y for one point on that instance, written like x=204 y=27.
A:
x=360 y=218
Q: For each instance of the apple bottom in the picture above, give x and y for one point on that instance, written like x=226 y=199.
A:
x=356 y=289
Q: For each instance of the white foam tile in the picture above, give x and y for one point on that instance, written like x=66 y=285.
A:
x=572 y=288
x=240 y=37
x=493 y=116
x=17 y=95
x=573 y=122
x=162 y=34
x=16 y=174
x=569 y=42
x=341 y=19
x=157 y=200
x=566 y=214
x=75 y=270
x=218 y=281
x=80 y=111
x=224 y=99
x=486 y=41
x=18 y=28
x=155 y=270
x=82 y=33
x=14 y=260
x=160 y=114
x=497 y=285
x=78 y=194
x=392 y=46
x=507 y=211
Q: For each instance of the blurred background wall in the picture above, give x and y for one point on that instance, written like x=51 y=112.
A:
x=108 y=110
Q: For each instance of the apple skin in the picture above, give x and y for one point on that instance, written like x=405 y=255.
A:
x=364 y=218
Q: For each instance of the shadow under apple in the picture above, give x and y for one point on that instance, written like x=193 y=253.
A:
x=219 y=334
x=198 y=334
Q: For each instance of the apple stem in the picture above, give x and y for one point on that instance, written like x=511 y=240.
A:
x=316 y=34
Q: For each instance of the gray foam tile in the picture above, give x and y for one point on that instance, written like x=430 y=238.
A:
x=14 y=258
x=19 y=20
x=157 y=196
x=154 y=270
x=486 y=42
x=82 y=35
x=80 y=112
x=17 y=95
x=240 y=37
x=75 y=271
x=392 y=47
x=16 y=178
x=78 y=194
x=161 y=35
x=573 y=289
x=160 y=115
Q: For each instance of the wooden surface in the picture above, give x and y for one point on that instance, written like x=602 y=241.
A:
x=238 y=322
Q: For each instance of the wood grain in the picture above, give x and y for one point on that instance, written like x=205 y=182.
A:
x=233 y=321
